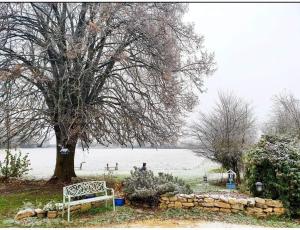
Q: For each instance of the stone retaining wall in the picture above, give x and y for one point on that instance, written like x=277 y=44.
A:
x=54 y=214
x=251 y=206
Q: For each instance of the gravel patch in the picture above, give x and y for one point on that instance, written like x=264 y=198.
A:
x=181 y=224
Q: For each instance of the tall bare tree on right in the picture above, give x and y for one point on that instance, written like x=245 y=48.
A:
x=285 y=117
x=223 y=134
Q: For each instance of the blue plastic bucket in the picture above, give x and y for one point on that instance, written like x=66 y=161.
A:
x=230 y=186
x=119 y=201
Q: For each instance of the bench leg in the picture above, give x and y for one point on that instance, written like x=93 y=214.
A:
x=64 y=205
x=63 y=211
x=69 y=212
x=114 y=206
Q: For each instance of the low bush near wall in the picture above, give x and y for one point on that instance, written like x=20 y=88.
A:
x=275 y=161
x=142 y=187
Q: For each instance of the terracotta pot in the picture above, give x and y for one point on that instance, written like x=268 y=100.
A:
x=52 y=214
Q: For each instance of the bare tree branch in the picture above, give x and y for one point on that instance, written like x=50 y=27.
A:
x=225 y=133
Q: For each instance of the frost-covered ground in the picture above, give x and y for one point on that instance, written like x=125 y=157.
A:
x=179 y=162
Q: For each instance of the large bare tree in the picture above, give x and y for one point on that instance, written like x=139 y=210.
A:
x=285 y=116
x=224 y=133
x=112 y=72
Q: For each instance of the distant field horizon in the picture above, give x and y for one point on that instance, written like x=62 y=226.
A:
x=179 y=162
x=106 y=147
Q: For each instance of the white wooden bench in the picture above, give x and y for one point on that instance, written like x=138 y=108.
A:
x=86 y=188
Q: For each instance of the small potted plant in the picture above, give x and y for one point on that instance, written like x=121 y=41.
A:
x=52 y=209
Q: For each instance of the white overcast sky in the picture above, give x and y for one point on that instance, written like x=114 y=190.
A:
x=257 y=50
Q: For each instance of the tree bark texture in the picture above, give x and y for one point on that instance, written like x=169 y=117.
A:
x=64 y=167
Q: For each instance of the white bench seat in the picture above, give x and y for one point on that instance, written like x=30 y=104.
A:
x=89 y=200
x=83 y=189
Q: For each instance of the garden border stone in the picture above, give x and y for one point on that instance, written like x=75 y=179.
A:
x=251 y=206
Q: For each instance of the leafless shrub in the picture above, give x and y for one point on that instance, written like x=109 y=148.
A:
x=223 y=134
x=285 y=116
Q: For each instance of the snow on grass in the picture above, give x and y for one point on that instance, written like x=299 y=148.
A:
x=179 y=162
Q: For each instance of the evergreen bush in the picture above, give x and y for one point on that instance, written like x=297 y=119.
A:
x=142 y=187
x=14 y=165
x=275 y=161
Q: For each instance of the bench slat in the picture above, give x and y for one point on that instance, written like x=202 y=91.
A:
x=89 y=200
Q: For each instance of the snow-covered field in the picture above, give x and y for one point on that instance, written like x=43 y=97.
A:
x=179 y=162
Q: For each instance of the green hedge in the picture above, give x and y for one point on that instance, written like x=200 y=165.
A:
x=275 y=161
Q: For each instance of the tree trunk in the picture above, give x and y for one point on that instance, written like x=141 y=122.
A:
x=238 y=176
x=237 y=171
x=64 y=168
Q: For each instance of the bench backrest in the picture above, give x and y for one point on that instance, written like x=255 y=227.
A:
x=84 y=188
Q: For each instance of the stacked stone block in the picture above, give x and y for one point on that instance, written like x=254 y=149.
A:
x=54 y=214
x=251 y=206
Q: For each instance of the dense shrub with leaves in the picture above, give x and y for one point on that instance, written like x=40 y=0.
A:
x=275 y=161
x=14 y=165
x=143 y=187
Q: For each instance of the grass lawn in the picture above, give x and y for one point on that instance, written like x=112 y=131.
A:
x=199 y=186
x=104 y=217
x=18 y=196
x=13 y=197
